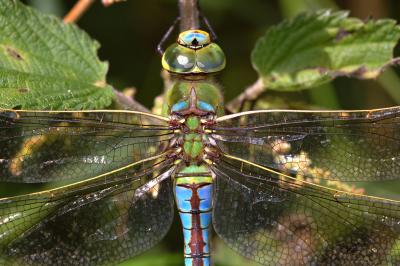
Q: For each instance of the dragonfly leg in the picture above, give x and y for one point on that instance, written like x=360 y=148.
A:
x=208 y=24
x=160 y=49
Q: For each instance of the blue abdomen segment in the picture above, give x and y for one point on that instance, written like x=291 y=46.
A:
x=191 y=261
x=194 y=202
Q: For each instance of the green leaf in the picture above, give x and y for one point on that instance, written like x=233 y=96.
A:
x=46 y=64
x=314 y=48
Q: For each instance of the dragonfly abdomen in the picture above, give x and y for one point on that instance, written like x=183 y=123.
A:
x=193 y=192
x=192 y=103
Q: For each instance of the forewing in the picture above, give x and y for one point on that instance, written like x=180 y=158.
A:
x=339 y=145
x=100 y=221
x=277 y=220
x=42 y=146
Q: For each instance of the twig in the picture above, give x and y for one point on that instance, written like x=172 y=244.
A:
x=77 y=11
x=110 y=2
x=189 y=13
x=128 y=103
x=251 y=93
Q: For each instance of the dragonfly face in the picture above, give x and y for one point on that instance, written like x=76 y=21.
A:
x=257 y=177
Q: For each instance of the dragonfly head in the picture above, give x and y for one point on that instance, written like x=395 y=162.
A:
x=193 y=53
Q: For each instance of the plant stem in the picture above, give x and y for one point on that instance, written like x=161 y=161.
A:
x=189 y=13
x=127 y=103
x=77 y=11
x=251 y=93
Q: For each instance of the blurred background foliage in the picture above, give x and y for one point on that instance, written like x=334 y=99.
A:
x=130 y=31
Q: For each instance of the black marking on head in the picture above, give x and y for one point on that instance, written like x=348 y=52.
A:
x=195 y=42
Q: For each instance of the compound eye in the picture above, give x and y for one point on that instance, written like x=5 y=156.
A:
x=179 y=59
x=210 y=58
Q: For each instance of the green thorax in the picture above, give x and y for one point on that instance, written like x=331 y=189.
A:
x=204 y=95
x=193 y=139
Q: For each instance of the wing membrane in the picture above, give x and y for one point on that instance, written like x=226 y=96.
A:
x=276 y=219
x=42 y=146
x=98 y=221
x=339 y=145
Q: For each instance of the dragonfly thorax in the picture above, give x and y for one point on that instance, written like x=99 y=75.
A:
x=191 y=104
x=189 y=117
x=192 y=144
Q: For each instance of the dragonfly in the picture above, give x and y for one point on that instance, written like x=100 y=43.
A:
x=263 y=180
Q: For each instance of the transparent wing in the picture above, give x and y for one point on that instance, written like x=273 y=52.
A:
x=340 y=145
x=276 y=219
x=42 y=146
x=103 y=220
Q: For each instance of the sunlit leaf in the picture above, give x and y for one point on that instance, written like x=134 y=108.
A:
x=45 y=64
x=315 y=48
